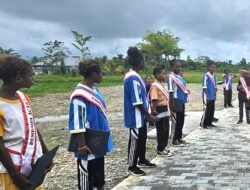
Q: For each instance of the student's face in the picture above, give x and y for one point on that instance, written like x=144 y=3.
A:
x=98 y=77
x=162 y=76
x=177 y=67
x=181 y=72
x=26 y=80
x=149 y=79
x=212 y=68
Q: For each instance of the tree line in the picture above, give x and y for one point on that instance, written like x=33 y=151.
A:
x=158 y=47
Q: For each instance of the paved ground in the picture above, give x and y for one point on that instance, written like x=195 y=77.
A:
x=215 y=158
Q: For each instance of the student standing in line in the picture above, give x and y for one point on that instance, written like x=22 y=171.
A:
x=160 y=96
x=244 y=95
x=227 y=89
x=136 y=113
x=209 y=91
x=88 y=112
x=20 y=141
x=178 y=97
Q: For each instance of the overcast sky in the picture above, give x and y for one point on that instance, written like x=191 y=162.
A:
x=219 y=29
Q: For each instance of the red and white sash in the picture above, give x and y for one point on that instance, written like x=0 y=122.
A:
x=162 y=88
x=90 y=96
x=24 y=160
x=245 y=87
x=132 y=73
x=211 y=77
x=180 y=84
x=226 y=84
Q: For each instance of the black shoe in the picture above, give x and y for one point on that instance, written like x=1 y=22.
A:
x=136 y=171
x=212 y=125
x=215 y=119
x=248 y=122
x=239 y=122
x=146 y=164
x=182 y=141
x=225 y=106
x=231 y=106
x=205 y=127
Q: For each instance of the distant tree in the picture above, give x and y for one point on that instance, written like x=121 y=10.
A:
x=9 y=51
x=202 y=59
x=34 y=60
x=55 y=52
x=161 y=44
x=80 y=44
x=243 y=62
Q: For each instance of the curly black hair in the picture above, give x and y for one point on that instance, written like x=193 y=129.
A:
x=210 y=62
x=135 y=57
x=158 y=69
x=11 y=66
x=88 y=67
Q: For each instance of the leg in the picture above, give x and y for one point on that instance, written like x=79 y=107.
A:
x=160 y=132
x=173 y=125
x=206 y=114
x=177 y=127
x=182 y=117
x=166 y=131
x=133 y=148
x=142 y=140
x=211 y=112
x=247 y=111
x=83 y=178
x=97 y=167
x=241 y=110
x=230 y=94
x=225 y=97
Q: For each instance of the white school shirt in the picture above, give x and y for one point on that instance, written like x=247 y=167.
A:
x=12 y=128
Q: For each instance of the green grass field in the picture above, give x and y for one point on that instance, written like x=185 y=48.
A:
x=50 y=84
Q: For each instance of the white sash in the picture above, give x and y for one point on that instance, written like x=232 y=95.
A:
x=226 y=84
x=211 y=77
x=179 y=83
x=244 y=85
x=90 y=96
x=30 y=141
x=132 y=73
x=162 y=88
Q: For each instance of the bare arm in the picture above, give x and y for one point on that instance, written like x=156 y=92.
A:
x=145 y=111
x=19 y=179
x=44 y=147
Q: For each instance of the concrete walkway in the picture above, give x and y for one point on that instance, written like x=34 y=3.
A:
x=217 y=158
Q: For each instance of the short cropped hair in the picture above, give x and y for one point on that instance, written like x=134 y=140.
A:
x=11 y=66
x=157 y=70
x=88 y=67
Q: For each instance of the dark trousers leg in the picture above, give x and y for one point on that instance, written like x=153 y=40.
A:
x=247 y=111
x=206 y=115
x=178 y=127
x=142 y=140
x=162 y=130
x=182 y=119
x=226 y=97
x=241 y=103
x=133 y=148
x=230 y=94
x=211 y=113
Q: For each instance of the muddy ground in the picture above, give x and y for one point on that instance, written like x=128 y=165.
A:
x=63 y=175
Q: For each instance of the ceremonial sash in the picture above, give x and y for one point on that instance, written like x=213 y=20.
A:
x=226 y=84
x=245 y=87
x=24 y=160
x=162 y=88
x=180 y=84
x=211 y=77
x=90 y=96
x=132 y=73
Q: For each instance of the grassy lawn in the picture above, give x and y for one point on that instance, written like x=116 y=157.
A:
x=50 y=84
